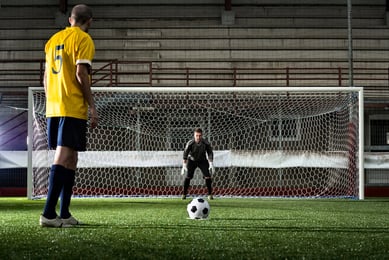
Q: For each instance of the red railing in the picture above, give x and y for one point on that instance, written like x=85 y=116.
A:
x=124 y=73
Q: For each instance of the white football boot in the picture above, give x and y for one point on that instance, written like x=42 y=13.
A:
x=71 y=221
x=55 y=222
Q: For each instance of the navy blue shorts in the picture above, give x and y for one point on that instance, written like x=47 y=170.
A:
x=66 y=131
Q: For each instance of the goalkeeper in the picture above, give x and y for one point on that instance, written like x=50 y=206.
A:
x=195 y=155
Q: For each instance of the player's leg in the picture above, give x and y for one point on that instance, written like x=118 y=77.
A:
x=204 y=167
x=74 y=140
x=62 y=135
x=49 y=215
x=189 y=176
x=68 y=181
x=59 y=180
x=54 y=190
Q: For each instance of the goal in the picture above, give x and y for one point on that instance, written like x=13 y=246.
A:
x=268 y=142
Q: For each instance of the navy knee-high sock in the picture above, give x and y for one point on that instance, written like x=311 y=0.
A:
x=55 y=187
x=66 y=193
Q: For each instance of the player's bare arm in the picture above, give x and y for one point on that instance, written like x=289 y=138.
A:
x=82 y=75
x=45 y=81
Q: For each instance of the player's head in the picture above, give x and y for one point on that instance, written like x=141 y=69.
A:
x=198 y=134
x=81 y=15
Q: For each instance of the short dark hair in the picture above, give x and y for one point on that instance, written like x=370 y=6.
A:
x=198 y=130
x=81 y=14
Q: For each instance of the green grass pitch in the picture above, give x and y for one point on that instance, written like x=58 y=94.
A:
x=238 y=228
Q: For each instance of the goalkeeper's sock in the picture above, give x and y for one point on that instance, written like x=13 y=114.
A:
x=186 y=186
x=208 y=182
x=55 y=187
x=66 y=193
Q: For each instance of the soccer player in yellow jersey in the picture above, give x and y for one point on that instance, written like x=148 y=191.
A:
x=67 y=83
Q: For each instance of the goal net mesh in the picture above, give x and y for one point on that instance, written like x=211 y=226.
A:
x=267 y=143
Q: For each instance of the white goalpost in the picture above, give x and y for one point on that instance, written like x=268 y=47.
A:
x=268 y=142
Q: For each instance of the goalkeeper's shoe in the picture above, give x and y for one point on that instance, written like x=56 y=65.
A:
x=183 y=197
x=210 y=197
x=55 y=222
x=71 y=221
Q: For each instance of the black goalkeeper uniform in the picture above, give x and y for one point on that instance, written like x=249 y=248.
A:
x=196 y=155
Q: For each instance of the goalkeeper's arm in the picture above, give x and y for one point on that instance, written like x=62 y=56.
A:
x=211 y=168
x=210 y=157
x=184 y=169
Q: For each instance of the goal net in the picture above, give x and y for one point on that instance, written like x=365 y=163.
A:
x=267 y=142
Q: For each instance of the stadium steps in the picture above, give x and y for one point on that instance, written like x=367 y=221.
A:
x=271 y=34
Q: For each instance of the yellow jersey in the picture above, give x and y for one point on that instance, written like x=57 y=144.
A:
x=64 y=51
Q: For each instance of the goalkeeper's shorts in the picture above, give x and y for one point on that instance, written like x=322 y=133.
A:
x=202 y=164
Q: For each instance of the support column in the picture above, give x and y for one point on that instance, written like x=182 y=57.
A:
x=228 y=16
x=62 y=15
x=387 y=13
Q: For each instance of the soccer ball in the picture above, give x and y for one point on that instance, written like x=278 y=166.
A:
x=198 y=208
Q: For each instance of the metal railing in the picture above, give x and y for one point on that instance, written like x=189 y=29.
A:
x=125 y=73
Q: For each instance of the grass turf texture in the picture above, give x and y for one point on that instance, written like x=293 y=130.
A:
x=153 y=228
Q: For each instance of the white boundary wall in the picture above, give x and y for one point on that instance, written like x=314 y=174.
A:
x=18 y=159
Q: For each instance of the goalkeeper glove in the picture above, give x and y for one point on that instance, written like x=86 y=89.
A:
x=184 y=169
x=211 y=168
